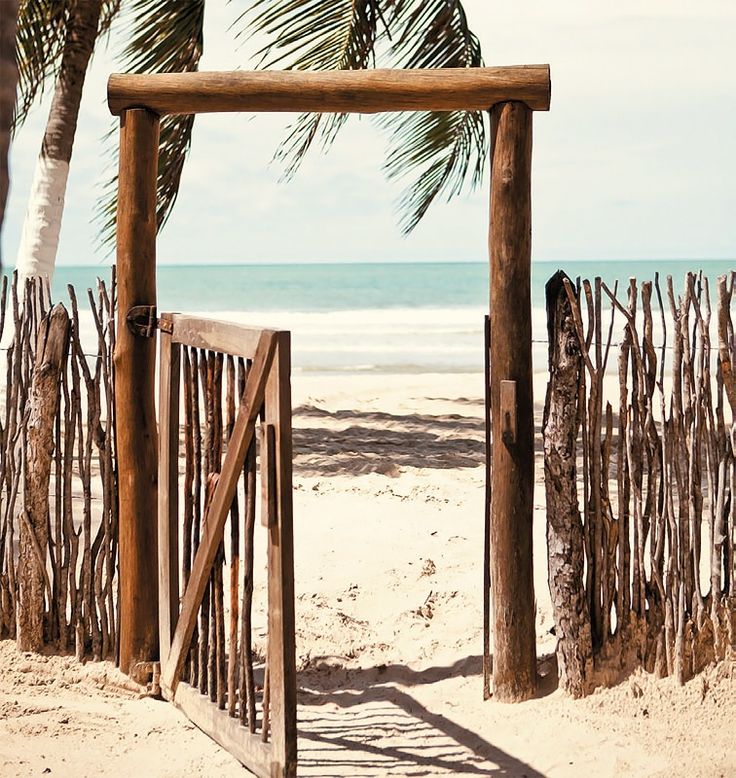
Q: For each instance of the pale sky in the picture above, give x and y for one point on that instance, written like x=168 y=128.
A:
x=636 y=158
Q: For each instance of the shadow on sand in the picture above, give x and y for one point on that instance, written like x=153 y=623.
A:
x=353 y=442
x=359 y=722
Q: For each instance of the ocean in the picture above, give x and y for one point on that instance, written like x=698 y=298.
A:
x=377 y=317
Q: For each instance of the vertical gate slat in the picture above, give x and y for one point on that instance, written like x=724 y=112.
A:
x=281 y=642
x=222 y=499
x=168 y=494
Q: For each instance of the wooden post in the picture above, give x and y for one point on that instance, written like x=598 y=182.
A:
x=487 y=661
x=565 y=547
x=512 y=479
x=43 y=407
x=135 y=413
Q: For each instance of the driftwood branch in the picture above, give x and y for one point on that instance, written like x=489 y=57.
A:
x=564 y=527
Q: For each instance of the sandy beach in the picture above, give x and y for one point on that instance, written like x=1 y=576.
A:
x=400 y=207
x=389 y=489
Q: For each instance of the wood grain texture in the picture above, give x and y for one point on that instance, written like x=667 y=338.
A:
x=228 y=732
x=135 y=368
x=725 y=287
x=512 y=502
x=247 y=684
x=565 y=547
x=43 y=407
x=281 y=640
x=340 y=91
x=168 y=503
x=214 y=334
x=487 y=659
x=233 y=647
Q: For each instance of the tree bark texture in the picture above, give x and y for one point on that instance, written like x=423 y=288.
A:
x=726 y=346
x=8 y=81
x=42 y=224
x=565 y=550
x=671 y=528
x=52 y=344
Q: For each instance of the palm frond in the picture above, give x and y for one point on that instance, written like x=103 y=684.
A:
x=433 y=34
x=40 y=35
x=165 y=36
x=174 y=145
x=437 y=152
x=108 y=13
x=312 y=35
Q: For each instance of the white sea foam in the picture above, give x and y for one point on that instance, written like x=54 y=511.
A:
x=399 y=340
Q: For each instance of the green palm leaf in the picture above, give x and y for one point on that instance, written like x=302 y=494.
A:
x=437 y=152
x=165 y=36
x=40 y=37
x=312 y=35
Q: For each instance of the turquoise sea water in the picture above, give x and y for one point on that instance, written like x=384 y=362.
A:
x=345 y=287
x=392 y=317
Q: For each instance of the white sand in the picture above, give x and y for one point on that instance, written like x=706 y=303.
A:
x=389 y=524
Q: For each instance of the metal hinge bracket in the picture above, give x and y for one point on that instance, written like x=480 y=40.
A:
x=143 y=322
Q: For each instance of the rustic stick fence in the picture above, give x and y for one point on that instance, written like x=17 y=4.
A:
x=58 y=474
x=641 y=565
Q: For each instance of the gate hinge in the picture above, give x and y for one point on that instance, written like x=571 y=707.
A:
x=142 y=321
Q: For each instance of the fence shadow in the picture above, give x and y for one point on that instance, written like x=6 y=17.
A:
x=353 y=442
x=359 y=721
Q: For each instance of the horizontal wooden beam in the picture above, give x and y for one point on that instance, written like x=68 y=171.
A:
x=335 y=91
x=214 y=334
x=229 y=733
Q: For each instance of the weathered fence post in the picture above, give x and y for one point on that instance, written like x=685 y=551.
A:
x=51 y=347
x=135 y=413
x=512 y=478
x=564 y=527
x=725 y=328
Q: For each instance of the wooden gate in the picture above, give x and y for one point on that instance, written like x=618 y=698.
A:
x=208 y=671
x=511 y=95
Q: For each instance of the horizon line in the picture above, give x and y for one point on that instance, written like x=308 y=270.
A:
x=284 y=263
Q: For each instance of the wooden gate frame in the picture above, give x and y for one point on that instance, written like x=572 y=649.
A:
x=267 y=387
x=510 y=94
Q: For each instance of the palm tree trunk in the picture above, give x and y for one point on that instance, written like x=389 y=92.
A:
x=8 y=81
x=40 y=237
